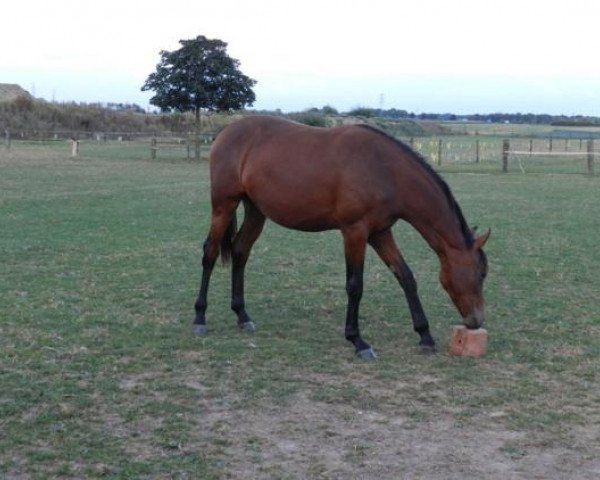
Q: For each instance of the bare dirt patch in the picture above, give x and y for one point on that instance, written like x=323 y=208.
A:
x=316 y=439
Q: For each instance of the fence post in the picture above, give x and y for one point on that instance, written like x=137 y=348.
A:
x=197 y=147
x=439 y=159
x=550 y=144
x=153 y=148
x=530 y=146
x=7 y=139
x=477 y=151
x=411 y=142
x=590 y=156
x=505 y=149
x=74 y=147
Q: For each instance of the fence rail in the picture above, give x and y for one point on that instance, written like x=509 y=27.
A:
x=192 y=143
x=445 y=152
x=59 y=135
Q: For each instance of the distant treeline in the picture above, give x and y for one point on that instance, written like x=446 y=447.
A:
x=529 y=118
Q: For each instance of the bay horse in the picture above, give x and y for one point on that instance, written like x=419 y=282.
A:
x=356 y=179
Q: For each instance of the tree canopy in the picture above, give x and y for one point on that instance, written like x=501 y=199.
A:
x=199 y=75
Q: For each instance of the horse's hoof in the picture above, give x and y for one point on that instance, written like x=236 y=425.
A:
x=427 y=349
x=199 y=329
x=366 y=354
x=248 y=326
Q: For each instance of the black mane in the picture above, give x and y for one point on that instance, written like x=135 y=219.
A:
x=466 y=231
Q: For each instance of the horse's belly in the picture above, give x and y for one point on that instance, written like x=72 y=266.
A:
x=306 y=216
x=306 y=225
x=293 y=205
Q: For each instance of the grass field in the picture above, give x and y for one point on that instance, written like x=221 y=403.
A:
x=100 y=376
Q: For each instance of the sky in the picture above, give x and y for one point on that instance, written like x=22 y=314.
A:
x=459 y=56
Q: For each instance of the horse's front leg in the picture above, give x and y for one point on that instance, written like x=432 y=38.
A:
x=386 y=248
x=354 y=248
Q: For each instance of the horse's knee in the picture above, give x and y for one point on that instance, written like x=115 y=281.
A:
x=354 y=287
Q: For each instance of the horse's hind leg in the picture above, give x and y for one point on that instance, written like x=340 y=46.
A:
x=253 y=224
x=386 y=248
x=222 y=224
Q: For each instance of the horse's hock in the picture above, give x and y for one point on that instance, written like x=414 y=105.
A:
x=468 y=343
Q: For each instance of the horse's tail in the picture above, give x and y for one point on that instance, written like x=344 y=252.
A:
x=227 y=241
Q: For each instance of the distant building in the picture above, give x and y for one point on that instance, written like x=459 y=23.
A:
x=11 y=91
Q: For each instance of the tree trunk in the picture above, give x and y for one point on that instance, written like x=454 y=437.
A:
x=198 y=129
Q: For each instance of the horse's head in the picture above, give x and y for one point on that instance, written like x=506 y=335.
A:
x=462 y=275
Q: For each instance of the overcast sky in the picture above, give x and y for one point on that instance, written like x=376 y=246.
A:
x=462 y=56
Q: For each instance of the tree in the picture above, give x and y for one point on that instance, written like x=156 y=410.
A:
x=329 y=110
x=199 y=75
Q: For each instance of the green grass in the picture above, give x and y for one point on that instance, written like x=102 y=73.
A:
x=101 y=378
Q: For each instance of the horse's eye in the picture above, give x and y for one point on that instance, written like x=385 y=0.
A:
x=484 y=272
x=483 y=265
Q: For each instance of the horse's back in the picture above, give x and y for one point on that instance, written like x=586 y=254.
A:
x=286 y=151
x=301 y=177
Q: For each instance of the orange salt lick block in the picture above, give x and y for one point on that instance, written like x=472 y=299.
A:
x=468 y=343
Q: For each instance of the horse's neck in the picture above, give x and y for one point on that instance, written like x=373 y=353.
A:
x=441 y=240
x=438 y=223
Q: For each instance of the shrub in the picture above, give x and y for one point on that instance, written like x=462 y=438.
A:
x=362 y=112
x=310 y=117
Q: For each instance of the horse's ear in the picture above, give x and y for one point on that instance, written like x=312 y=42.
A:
x=481 y=239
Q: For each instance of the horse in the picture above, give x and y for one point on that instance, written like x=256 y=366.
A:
x=356 y=179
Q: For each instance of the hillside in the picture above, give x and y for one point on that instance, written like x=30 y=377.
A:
x=10 y=92
x=28 y=117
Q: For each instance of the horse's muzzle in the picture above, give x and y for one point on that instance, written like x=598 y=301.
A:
x=475 y=319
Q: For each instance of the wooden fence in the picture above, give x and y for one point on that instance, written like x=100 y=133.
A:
x=526 y=154
x=589 y=153
x=190 y=144
x=451 y=151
